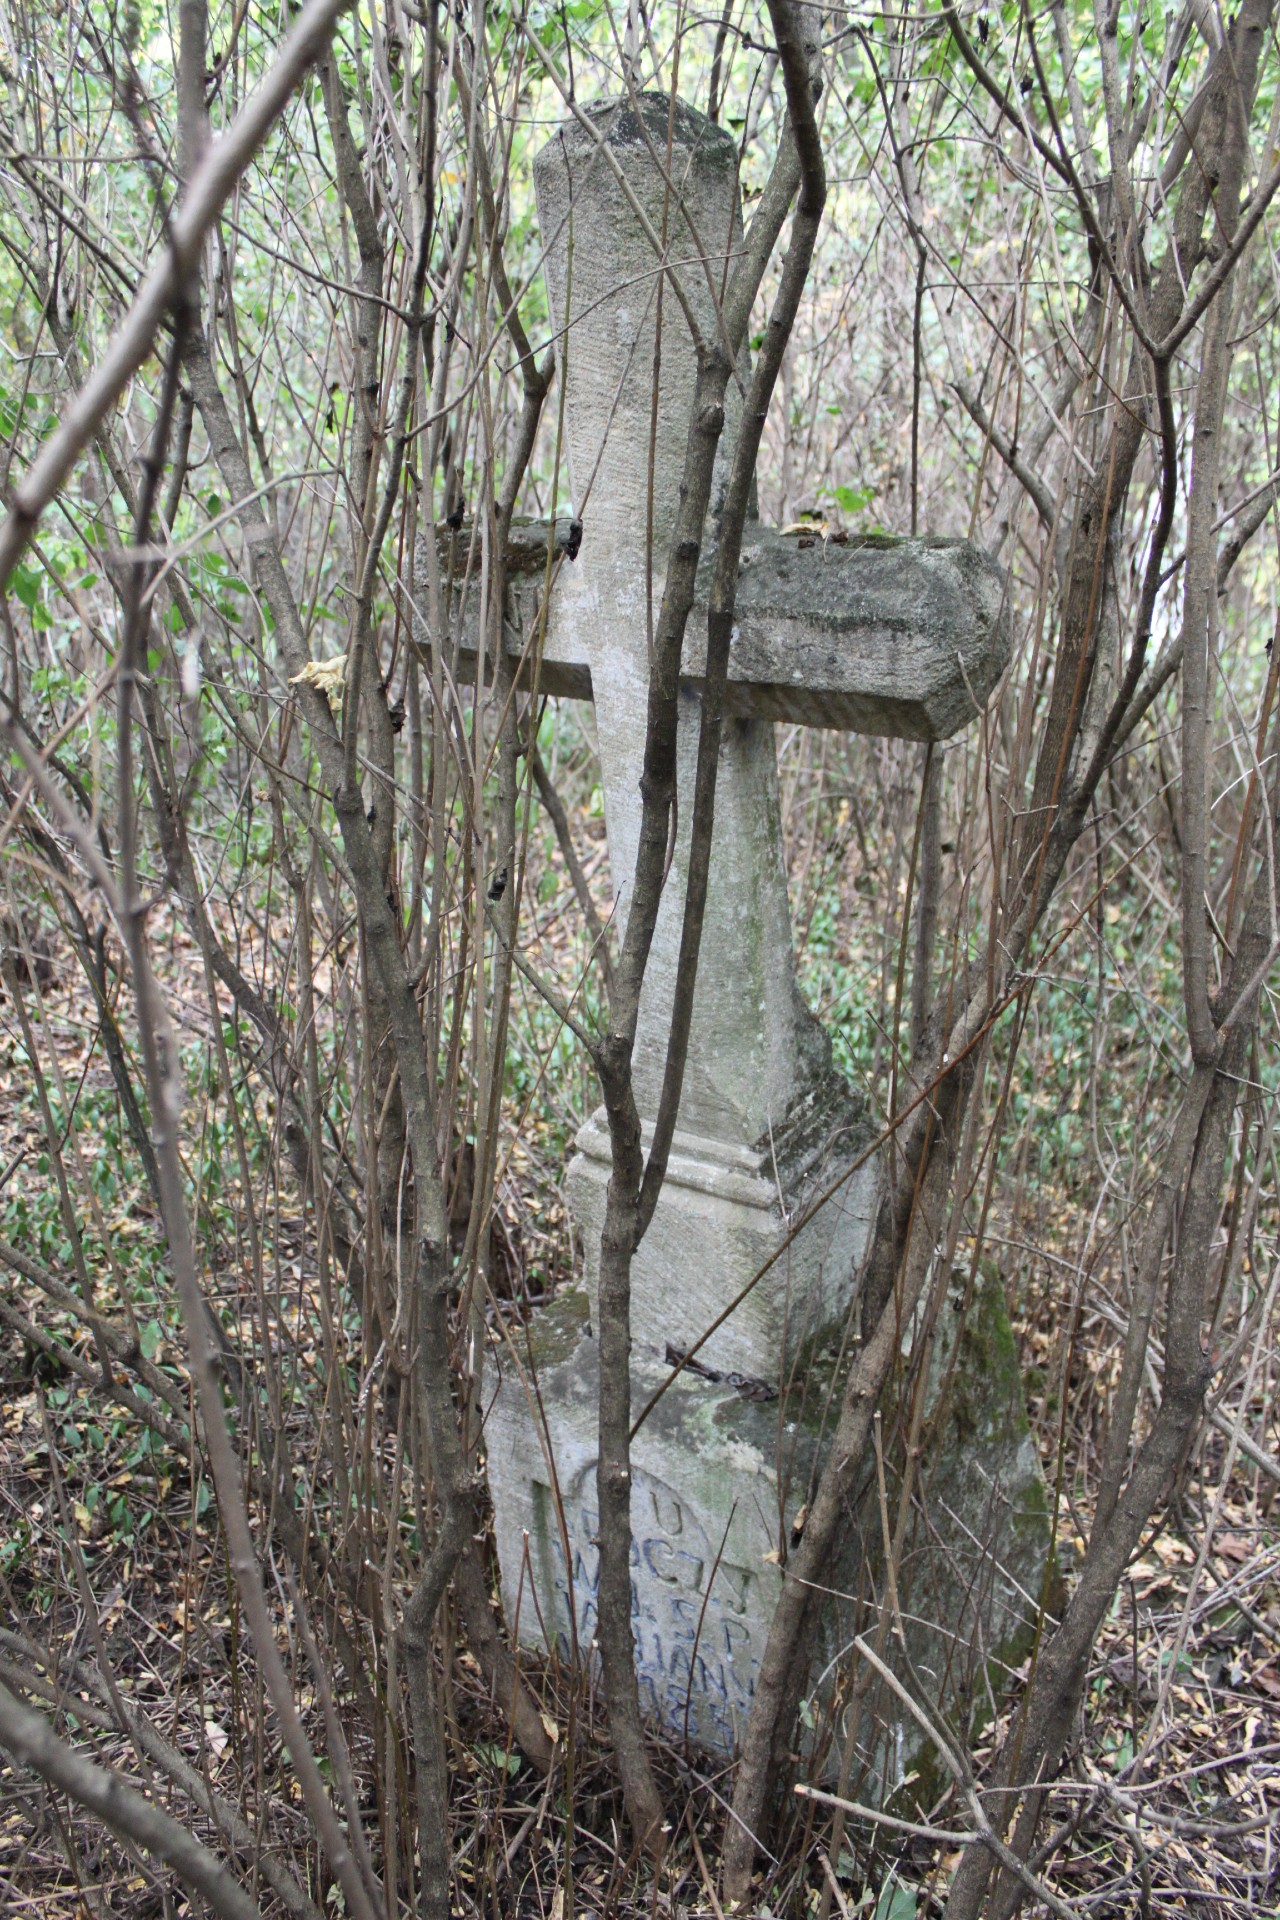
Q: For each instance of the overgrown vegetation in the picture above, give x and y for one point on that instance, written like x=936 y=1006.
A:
x=292 y=965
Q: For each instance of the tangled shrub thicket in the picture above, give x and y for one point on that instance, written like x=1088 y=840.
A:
x=306 y=945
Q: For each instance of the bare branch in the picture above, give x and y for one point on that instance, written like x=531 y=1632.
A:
x=28 y=1736
x=210 y=187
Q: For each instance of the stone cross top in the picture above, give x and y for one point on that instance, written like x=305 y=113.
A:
x=892 y=637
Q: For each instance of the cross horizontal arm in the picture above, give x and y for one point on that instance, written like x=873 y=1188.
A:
x=898 y=637
x=459 y=547
x=530 y=544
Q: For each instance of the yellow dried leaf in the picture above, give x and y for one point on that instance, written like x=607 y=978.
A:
x=816 y=529
x=326 y=676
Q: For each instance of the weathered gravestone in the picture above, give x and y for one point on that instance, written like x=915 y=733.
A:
x=892 y=637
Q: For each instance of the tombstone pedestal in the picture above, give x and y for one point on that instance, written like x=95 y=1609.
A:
x=703 y=1591
x=721 y=1471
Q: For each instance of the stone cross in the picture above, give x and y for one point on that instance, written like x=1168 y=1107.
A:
x=904 y=638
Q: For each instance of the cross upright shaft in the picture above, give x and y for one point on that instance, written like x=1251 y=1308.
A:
x=894 y=637
x=754 y=1046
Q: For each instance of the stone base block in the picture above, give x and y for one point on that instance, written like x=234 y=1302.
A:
x=721 y=1475
x=705 y=1512
x=972 y=1555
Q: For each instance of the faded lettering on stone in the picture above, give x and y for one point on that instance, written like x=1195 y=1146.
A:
x=693 y=1648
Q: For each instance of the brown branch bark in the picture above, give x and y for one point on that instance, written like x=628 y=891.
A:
x=1054 y=821
x=28 y=1736
x=455 y=1485
x=116 y=1712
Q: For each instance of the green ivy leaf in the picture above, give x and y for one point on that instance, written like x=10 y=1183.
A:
x=26 y=584
x=896 y=1902
x=853 y=499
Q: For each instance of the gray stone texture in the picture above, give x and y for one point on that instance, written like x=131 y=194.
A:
x=704 y=1514
x=725 y=1213
x=722 y=1470
x=876 y=635
x=755 y=1047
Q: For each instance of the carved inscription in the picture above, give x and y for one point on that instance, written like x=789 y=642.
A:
x=690 y=1616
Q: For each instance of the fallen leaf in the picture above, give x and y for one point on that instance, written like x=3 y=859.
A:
x=1268 y=1680
x=326 y=676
